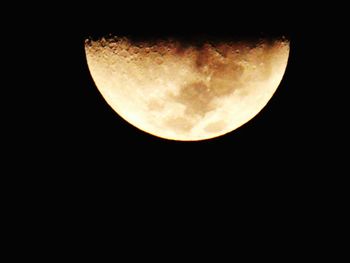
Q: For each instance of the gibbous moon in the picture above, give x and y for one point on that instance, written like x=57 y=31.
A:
x=187 y=92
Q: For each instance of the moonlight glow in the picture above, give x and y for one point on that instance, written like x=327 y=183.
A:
x=187 y=92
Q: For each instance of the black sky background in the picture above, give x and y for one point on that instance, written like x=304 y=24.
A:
x=76 y=169
x=73 y=132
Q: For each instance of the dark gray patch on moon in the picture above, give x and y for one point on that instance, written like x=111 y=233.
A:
x=179 y=124
x=215 y=126
x=225 y=79
x=155 y=105
x=196 y=97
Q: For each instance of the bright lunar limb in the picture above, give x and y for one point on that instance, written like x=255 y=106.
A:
x=187 y=92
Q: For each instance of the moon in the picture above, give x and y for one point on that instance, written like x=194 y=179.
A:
x=187 y=91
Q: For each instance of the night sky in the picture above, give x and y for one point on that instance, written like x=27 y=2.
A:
x=76 y=176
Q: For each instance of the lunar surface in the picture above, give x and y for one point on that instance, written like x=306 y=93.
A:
x=187 y=92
